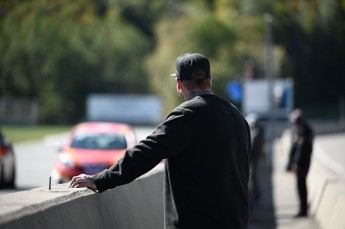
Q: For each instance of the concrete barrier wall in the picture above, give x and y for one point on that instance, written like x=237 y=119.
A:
x=326 y=196
x=337 y=219
x=319 y=178
x=136 y=205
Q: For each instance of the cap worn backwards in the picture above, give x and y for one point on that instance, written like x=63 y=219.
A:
x=192 y=66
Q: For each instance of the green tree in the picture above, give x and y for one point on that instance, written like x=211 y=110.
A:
x=312 y=34
x=214 y=28
x=60 y=51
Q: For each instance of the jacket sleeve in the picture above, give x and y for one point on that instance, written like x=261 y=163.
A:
x=168 y=139
x=304 y=145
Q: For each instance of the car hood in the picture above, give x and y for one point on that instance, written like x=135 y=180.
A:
x=86 y=156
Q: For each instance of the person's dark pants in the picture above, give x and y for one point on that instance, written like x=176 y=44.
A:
x=302 y=193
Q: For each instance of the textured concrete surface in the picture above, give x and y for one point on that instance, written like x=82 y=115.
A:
x=136 y=205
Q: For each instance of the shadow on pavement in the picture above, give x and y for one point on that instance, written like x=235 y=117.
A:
x=262 y=210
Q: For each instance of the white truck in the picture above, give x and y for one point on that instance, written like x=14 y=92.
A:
x=128 y=108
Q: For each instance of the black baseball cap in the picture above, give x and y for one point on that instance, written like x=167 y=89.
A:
x=192 y=66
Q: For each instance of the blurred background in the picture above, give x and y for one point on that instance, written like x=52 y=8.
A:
x=56 y=54
x=63 y=62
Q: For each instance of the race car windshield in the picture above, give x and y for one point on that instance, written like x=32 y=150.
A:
x=99 y=141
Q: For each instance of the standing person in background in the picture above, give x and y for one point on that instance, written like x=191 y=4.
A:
x=206 y=144
x=300 y=156
x=257 y=133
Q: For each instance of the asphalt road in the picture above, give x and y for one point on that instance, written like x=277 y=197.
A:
x=35 y=160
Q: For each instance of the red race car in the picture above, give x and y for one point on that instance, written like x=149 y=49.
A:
x=92 y=147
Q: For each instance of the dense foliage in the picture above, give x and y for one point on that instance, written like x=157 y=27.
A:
x=59 y=51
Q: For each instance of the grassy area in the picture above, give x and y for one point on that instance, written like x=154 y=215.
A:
x=25 y=133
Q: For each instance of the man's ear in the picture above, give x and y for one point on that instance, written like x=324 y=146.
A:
x=179 y=84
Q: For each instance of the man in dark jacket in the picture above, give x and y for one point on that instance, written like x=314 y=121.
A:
x=300 y=156
x=206 y=144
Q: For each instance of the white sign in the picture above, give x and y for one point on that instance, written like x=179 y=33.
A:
x=133 y=109
x=256 y=97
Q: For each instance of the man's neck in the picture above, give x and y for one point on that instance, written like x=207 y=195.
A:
x=194 y=93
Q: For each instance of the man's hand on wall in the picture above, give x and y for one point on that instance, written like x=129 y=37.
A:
x=81 y=181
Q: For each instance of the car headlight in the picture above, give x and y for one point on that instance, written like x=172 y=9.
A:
x=66 y=160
